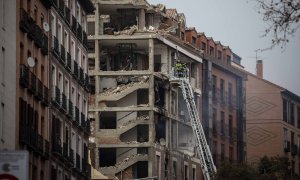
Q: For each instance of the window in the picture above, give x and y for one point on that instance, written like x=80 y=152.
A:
x=230 y=93
x=292 y=115
x=214 y=151
x=84 y=110
x=60 y=35
x=158 y=166
x=60 y=82
x=194 y=173
x=292 y=137
x=285 y=140
x=230 y=133
x=2 y=66
x=222 y=152
x=182 y=35
x=284 y=108
x=222 y=90
x=73 y=49
x=228 y=60
x=186 y=172
x=83 y=66
x=2 y=113
x=219 y=55
x=79 y=57
x=230 y=154
x=214 y=123
x=53 y=25
x=42 y=73
x=211 y=51
x=203 y=46
x=73 y=96
x=222 y=123
x=53 y=75
x=42 y=19
x=174 y=170
x=214 y=87
x=194 y=40
x=66 y=42
x=67 y=88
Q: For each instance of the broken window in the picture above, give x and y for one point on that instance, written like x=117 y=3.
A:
x=142 y=96
x=159 y=94
x=140 y=169
x=108 y=120
x=157 y=63
x=107 y=157
x=160 y=129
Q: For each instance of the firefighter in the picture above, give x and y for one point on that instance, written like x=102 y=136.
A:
x=181 y=69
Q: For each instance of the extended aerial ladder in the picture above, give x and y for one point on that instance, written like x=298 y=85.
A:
x=206 y=160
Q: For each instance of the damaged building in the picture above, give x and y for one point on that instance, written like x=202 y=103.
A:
x=140 y=123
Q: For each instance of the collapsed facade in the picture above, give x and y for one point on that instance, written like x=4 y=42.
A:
x=140 y=122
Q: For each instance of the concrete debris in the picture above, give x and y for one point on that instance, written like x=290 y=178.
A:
x=127 y=31
x=134 y=81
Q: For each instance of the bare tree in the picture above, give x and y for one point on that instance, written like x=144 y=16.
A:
x=282 y=17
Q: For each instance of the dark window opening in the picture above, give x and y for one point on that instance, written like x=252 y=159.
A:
x=211 y=51
x=203 y=46
x=142 y=133
x=107 y=157
x=160 y=129
x=219 y=55
x=157 y=63
x=141 y=169
x=108 y=120
x=159 y=94
x=194 y=39
x=186 y=172
x=284 y=106
x=143 y=96
x=292 y=115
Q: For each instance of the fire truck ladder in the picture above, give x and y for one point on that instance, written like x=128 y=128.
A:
x=203 y=150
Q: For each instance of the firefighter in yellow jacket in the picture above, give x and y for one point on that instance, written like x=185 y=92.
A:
x=181 y=69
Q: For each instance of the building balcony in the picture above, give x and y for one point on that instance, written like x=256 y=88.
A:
x=40 y=144
x=70 y=110
x=65 y=152
x=56 y=96
x=45 y=101
x=56 y=146
x=44 y=48
x=62 y=55
x=74 y=25
x=287 y=146
x=67 y=15
x=24 y=76
x=68 y=62
x=71 y=157
x=40 y=93
x=75 y=70
x=78 y=163
x=55 y=47
x=79 y=32
x=61 y=7
x=64 y=103
x=32 y=87
x=25 y=21
x=47 y=3
x=76 y=116
x=81 y=77
x=294 y=150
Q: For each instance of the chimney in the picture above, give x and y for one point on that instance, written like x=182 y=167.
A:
x=259 y=68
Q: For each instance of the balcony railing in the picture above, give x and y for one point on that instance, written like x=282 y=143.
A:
x=45 y=45
x=55 y=46
x=78 y=163
x=68 y=62
x=47 y=3
x=56 y=146
x=24 y=76
x=32 y=86
x=79 y=32
x=25 y=21
x=65 y=151
x=67 y=15
x=56 y=96
x=74 y=25
x=40 y=90
x=76 y=116
x=75 y=70
x=46 y=148
x=40 y=144
x=81 y=76
x=62 y=55
x=82 y=121
x=64 y=102
x=70 y=110
x=287 y=146
x=61 y=7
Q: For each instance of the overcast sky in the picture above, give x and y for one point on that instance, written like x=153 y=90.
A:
x=237 y=24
